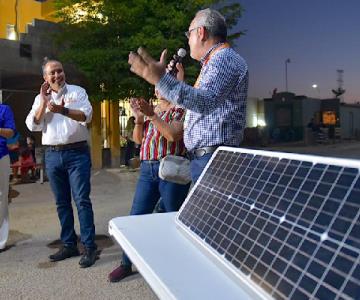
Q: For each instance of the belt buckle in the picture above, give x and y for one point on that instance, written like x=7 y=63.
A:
x=56 y=147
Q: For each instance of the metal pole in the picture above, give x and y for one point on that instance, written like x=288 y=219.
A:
x=286 y=74
x=286 y=78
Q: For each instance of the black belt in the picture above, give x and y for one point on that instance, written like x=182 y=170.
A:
x=67 y=146
x=200 y=152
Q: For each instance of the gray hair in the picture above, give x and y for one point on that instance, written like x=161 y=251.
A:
x=47 y=61
x=213 y=21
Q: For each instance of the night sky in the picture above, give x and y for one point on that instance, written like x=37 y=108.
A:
x=319 y=37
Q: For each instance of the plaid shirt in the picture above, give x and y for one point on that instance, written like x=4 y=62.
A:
x=216 y=110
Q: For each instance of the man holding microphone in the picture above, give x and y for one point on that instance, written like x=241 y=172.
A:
x=216 y=105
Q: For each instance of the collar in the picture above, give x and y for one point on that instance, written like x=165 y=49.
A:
x=62 y=89
x=60 y=93
x=203 y=59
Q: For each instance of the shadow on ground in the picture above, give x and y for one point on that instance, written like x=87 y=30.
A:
x=102 y=241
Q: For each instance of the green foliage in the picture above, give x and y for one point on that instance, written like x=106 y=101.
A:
x=97 y=37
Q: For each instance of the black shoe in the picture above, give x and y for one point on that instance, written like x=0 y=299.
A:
x=88 y=259
x=64 y=253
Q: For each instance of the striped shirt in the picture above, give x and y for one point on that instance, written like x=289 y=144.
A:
x=154 y=145
x=216 y=109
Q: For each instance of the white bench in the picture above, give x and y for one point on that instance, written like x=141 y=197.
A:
x=171 y=264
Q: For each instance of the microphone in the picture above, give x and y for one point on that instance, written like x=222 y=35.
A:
x=177 y=58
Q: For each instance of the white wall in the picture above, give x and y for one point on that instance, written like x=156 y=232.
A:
x=254 y=112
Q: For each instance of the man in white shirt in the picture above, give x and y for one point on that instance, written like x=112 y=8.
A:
x=61 y=112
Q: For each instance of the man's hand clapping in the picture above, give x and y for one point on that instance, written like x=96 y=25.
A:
x=56 y=108
x=45 y=92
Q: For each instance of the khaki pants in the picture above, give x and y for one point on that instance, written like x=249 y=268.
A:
x=4 y=190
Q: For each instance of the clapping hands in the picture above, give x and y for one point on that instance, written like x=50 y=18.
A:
x=56 y=108
x=45 y=92
x=141 y=107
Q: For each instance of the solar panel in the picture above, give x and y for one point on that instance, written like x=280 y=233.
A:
x=289 y=223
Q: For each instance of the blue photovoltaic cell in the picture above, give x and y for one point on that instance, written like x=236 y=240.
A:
x=291 y=225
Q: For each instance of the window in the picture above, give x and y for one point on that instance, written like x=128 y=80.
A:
x=25 y=50
x=11 y=32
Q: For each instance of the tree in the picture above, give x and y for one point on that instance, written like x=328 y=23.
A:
x=97 y=37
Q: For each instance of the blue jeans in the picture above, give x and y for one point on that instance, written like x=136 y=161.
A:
x=69 y=174
x=150 y=187
x=197 y=165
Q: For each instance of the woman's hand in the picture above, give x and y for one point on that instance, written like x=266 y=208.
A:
x=135 y=109
x=146 y=108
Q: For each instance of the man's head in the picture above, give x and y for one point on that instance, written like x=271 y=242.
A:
x=206 y=29
x=53 y=73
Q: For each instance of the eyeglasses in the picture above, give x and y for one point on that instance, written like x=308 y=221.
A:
x=187 y=33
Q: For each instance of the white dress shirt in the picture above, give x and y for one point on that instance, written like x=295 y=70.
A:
x=56 y=128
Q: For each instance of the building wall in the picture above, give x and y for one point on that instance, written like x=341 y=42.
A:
x=284 y=119
x=20 y=103
x=47 y=10
x=311 y=107
x=287 y=115
x=27 y=11
x=350 y=121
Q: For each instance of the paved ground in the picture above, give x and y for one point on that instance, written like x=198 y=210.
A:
x=25 y=272
x=345 y=149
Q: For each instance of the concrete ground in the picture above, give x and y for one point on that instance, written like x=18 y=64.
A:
x=343 y=149
x=26 y=273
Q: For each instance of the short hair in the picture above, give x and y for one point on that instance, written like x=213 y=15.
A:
x=213 y=21
x=47 y=60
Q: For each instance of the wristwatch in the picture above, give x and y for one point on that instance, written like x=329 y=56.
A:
x=65 y=111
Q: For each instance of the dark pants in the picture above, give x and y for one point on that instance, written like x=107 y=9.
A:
x=69 y=174
x=148 y=191
x=129 y=151
x=197 y=165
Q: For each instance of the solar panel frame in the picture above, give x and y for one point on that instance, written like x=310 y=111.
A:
x=321 y=174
